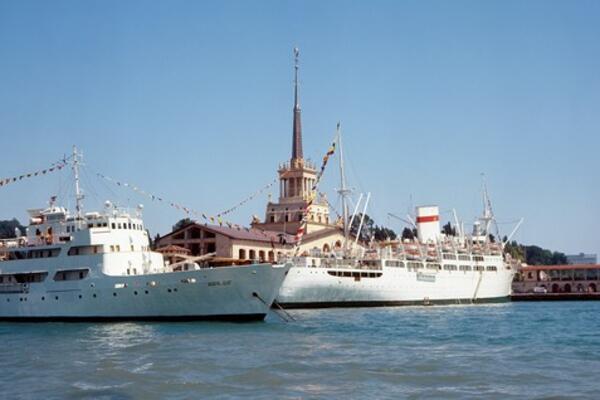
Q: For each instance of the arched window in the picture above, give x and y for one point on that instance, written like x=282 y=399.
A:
x=592 y=288
x=338 y=244
x=271 y=256
x=242 y=255
x=261 y=256
x=326 y=248
x=252 y=255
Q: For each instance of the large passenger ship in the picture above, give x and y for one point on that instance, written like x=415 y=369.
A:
x=98 y=266
x=432 y=269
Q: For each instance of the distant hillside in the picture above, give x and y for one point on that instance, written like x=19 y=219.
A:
x=535 y=255
x=7 y=228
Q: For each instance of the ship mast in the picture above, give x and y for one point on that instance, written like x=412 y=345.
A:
x=344 y=192
x=78 y=194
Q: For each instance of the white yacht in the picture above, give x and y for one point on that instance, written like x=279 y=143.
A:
x=98 y=266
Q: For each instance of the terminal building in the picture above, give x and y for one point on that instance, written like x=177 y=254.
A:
x=582 y=258
x=555 y=279
x=274 y=237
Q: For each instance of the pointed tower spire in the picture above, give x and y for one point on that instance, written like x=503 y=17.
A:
x=297 y=139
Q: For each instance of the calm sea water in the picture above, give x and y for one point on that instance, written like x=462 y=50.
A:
x=518 y=350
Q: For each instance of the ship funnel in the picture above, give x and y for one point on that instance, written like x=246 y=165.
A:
x=428 y=223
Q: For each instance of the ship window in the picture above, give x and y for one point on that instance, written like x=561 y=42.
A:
x=132 y=248
x=30 y=277
x=433 y=266
x=491 y=268
x=71 y=274
x=90 y=226
x=478 y=268
x=463 y=257
x=465 y=268
x=447 y=256
x=450 y=267
x=112 y=248
x=394 y=264
x=118 y=248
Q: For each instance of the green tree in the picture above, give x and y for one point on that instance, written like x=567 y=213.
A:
x=7 y=228
x=409 y=234
x=181 y=223
x=449 y=230
x=370 y=230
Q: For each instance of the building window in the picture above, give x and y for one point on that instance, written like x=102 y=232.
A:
x=242 y=254
x=252 y=254
x=272 y=218
x=261 y=256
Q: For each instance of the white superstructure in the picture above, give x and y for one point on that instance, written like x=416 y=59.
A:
x=98 y=266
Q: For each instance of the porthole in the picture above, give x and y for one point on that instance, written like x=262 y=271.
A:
x=80 y=296
x=20 y=299
x=94 y=295
x=115 y=294
x=146 y=291
x=175 y=289
x=8 y=300
x=169 y=290
x=56 y=297
x=43 y=298
x=135 y=292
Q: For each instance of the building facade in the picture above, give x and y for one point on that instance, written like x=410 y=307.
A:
x=582 y=258
x=566 y=279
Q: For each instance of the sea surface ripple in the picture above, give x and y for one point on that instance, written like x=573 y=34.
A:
x=507 y=351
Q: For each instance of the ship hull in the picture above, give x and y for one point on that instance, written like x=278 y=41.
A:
x=236 y=293
x=307 y=287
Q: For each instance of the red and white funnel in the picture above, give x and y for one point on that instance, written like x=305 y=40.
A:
x=428 y=223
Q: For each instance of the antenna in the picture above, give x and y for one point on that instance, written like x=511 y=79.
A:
x=78 y=194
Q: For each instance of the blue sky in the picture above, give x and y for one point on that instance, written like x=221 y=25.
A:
x=193 y=100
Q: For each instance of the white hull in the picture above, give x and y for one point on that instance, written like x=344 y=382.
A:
x=316 y=287
x=227 y=293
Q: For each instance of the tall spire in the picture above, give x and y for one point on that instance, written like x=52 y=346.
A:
x=297 y=139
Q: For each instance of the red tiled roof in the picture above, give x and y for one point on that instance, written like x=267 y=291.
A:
x=239 y=234
x=560 y=267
